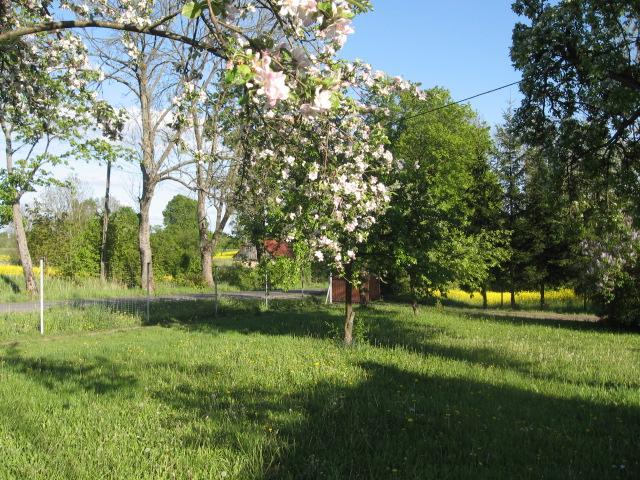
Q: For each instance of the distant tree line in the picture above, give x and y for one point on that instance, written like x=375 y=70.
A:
x=65 y=226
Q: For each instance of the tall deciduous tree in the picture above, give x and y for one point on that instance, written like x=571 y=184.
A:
x=204 y=114
x=427 y=232
x=581 y=79
x=141 y=64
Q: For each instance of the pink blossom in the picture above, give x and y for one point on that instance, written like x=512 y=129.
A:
x=272 y=84
x=307 y=11
x=301 y=57
x=304 y=10
x=322 y=100
x=313 y=172
x=338 y=31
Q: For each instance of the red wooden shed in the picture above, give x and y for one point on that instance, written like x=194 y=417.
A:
x=371 y=290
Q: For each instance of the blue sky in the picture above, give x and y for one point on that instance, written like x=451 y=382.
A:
x=462 y=45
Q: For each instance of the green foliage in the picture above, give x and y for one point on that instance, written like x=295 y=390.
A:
x=193 y=9
x=65 y=228
x=85 y=260
x=623 y=306
x=438 y=228
x=283 y=273
x=581 y=109
x=611 y=262
x=537 y=212
x=581 y=85
x=240 y=277
x=8 y=247
x=122 y=247
x=228 y=242
x=175 y=246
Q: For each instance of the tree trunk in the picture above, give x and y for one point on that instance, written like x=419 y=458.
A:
x=348 y=307
x=414 y=298
x=18 y=223
x=542 y=303
x=144 y=239
x=483 y=292
x=105 y=227
x=206 y=259
x=23 y=250
x=512 y=289
x=205 y=242
x=149 y=180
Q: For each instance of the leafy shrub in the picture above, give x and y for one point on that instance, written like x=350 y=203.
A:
x=613 y=269
x=239 y=276
x=283 y=274
x=122 y=247
x=622 y=304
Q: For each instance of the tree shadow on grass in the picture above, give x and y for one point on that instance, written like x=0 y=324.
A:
x=97 y=375
x=552 y=307
x=200 y=315
x=15 y=288
x=524 y=319
x=404 y=424
x=246 y=316
x=384 y=329
x=401 y=424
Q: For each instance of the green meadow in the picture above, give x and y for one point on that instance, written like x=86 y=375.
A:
x=256 y=394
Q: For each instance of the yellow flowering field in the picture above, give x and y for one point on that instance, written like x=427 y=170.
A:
x=226 y=255
x=527 y=297
x=16 y=270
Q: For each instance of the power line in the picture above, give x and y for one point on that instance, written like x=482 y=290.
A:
x=461 y=101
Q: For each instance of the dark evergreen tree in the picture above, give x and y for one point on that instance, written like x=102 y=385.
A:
x=509 y=164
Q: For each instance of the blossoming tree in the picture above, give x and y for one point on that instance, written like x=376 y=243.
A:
x=45 y=101
x=302 y=118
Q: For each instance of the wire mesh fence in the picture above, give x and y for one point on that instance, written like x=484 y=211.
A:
x=62 y=305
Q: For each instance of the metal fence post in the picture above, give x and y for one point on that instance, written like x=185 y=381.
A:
x=148 y=290
x=42 y=296
x=215 y=286
x=331 y=288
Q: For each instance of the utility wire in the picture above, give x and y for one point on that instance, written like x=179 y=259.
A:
x=460 y=101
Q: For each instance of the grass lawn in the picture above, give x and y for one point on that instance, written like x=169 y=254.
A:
x=254 y=394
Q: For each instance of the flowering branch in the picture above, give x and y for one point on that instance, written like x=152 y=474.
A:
x=13 y=35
